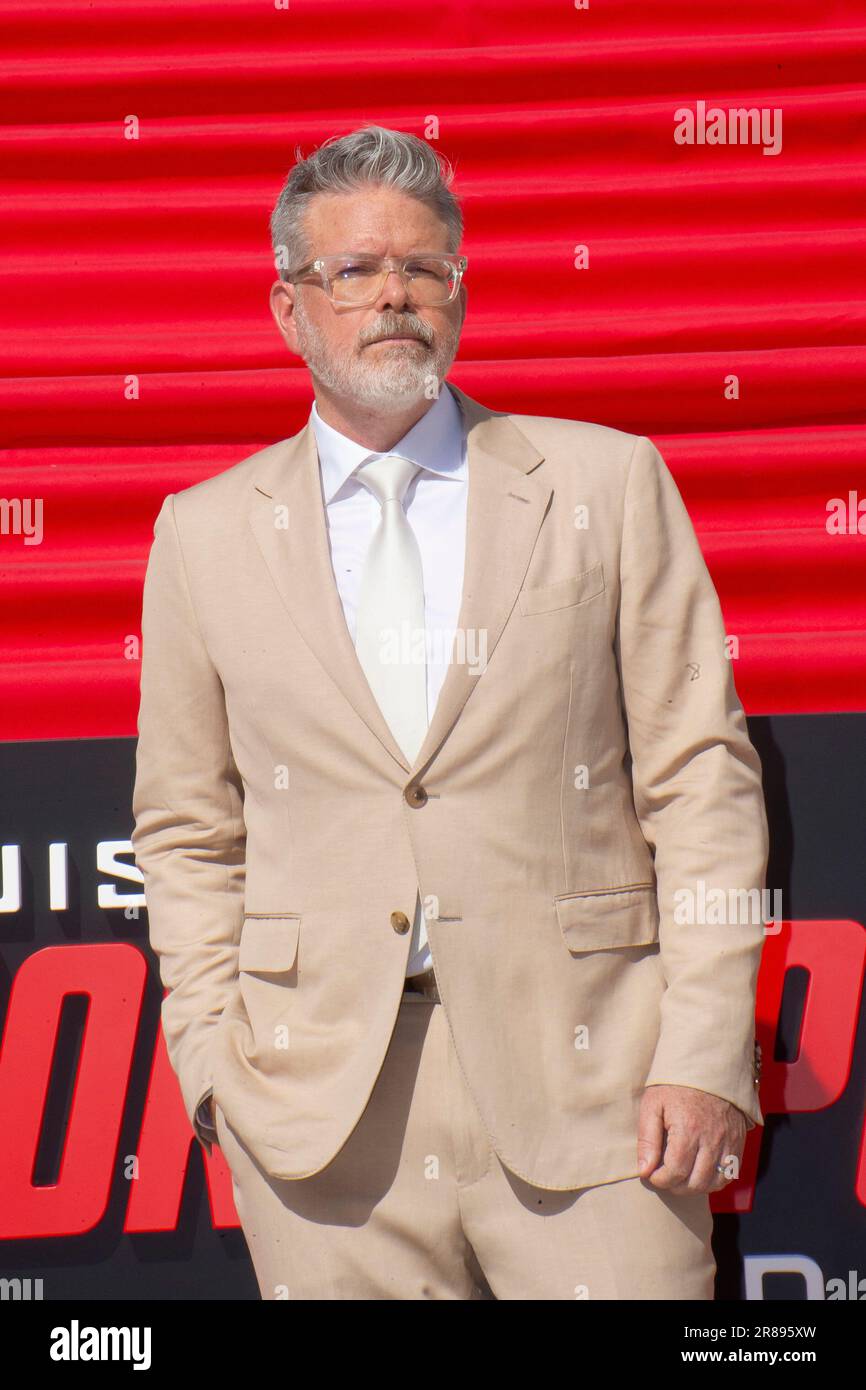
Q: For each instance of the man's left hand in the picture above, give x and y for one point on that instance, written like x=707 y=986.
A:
x=683 y=1133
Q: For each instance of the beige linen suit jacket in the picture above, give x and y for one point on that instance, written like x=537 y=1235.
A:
x=593 y=767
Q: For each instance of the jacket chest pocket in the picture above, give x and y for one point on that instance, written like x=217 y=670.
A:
x=565 y=593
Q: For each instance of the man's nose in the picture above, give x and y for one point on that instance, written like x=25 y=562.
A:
x=393 y=293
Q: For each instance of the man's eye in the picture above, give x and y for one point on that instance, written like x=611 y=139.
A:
x=433 y=270
x=352 y=271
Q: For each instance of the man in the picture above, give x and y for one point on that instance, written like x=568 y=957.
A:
x=432 y=915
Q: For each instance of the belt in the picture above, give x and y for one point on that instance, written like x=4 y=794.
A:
x=425 y=984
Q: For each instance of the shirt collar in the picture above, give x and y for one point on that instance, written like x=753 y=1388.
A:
x=435 y=443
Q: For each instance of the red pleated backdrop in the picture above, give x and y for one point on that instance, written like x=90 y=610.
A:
x=149 y=258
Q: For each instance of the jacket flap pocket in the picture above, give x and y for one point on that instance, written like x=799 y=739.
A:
x=596 y=920
x=564 y=594
x=269 y=943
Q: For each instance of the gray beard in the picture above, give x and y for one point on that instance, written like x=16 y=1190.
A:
x=401 y=376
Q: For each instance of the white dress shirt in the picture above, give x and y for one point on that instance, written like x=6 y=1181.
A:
x=435 y=505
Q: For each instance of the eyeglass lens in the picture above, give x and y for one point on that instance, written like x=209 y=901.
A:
x=355 y=279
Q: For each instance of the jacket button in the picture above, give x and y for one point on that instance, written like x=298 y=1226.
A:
x=416 y=795
x=400 y=922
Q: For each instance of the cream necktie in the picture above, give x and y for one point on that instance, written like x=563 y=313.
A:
x=390 y=632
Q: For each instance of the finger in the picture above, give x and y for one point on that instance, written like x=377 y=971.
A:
x=678 y=1161
x=730 y=1160
x=650 y=1135
x=705 y=1174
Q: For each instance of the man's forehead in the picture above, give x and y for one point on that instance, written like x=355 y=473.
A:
x=371 y=221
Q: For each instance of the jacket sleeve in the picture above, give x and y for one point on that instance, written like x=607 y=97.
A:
x=189 y=836
x=697 y=791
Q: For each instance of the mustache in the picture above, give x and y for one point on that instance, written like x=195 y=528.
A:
x=408 y=325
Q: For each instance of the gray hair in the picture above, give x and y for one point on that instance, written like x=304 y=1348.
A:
x=372 y=155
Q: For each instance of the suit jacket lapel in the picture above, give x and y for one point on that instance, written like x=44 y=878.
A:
x=287 y=515
x=505 y=509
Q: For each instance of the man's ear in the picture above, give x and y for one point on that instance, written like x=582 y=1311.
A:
x=282 y=302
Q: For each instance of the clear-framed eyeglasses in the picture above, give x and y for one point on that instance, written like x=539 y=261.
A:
x=355 y=281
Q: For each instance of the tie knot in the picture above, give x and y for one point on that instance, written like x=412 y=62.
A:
x=387 y=478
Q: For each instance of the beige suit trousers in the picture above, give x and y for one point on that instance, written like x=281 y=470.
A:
x=417 y=1205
